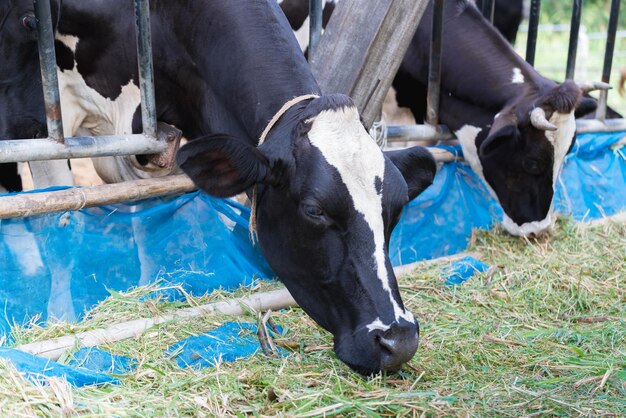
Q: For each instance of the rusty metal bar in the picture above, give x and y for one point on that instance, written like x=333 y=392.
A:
x=573 y=39
x=48 y=64
x=146 y=71
x=315 y=25
x=434 y=72
x=533 y=24
x=608 y=57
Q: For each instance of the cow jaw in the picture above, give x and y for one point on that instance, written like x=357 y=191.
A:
x=342 y=140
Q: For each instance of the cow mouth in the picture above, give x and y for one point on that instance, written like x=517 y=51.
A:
x=533 y=229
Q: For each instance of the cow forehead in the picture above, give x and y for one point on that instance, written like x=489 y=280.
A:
x=343 y=142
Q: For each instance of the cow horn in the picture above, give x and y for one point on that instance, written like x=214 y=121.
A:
x=539 y=121
x=588 y=86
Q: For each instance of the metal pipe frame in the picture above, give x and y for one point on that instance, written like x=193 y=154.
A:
x=533 y=25
x=573 y=39
x=608 y=58
x=146 y=70
x=16 y=150
x=434 y=66
x=316 y=8
x=48 y=64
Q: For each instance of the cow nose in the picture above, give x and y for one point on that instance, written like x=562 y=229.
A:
x=398 y=345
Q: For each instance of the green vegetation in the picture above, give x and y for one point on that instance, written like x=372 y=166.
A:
x=542 y=333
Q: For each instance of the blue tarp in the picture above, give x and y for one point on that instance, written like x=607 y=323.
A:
x=58 y=266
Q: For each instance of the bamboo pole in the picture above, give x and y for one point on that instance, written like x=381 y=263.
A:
x=28 y=204
x=54 y=348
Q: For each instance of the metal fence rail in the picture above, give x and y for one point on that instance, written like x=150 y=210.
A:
x=56 y=146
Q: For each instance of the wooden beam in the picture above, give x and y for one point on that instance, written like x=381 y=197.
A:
x=28 y=204
x=362 y=48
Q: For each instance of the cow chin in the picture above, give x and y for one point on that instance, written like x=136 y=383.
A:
x=536 y=228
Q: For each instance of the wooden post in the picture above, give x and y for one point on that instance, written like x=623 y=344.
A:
x=362 y=48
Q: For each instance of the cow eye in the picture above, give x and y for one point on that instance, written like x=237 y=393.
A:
x=312 y=210
x=532 y=166
x=29 y=22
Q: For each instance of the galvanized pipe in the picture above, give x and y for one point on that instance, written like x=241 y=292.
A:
x=146 y=71
x=48 y=64
x=16 y=150
x=533 y=24
x=434 y=67
x=573 y=39
x=315 y=25
x=608 y=57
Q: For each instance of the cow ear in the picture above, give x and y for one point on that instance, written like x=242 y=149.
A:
x=504 y=136
x=586 y=106
x=224 y=166
x=417 y=166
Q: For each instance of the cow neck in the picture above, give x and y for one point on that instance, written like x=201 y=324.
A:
x=494 y=84
x=288 y=105
x=251 y=58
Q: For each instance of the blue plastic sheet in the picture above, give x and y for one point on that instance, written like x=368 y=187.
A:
x=38 y=369
x=227 y=343
x=461 y=270
x=100 y=361
x=59 y=265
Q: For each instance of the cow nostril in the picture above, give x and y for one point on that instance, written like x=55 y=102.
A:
x=395 y=350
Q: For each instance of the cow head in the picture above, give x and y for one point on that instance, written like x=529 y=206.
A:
x=521 y=156
x=327 y=201
x=21 y=101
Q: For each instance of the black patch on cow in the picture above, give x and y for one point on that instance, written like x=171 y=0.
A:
x=378 y=183
x=417 y=166
x=10 y=178
x=65 y=56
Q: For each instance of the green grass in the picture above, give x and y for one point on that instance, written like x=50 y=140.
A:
x=542 y=333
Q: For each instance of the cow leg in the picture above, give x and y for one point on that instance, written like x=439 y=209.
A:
x=51 y=173
x=10 y=179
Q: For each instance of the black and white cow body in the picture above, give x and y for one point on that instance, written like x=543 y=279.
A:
x=327 y=198
x=514 y=125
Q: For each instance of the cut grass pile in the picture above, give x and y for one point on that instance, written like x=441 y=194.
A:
x=541 y=333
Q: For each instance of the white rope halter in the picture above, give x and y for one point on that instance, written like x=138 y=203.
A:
x=266 y=131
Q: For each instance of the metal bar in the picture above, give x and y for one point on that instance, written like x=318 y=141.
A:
x=146 y=71
x=608 y=57
x=15 y=150
x=434 y=67
x=48 y=64
x=315 y=25
x=573 y=39
x=426 y=133
x=533 y=24
x=489 y=8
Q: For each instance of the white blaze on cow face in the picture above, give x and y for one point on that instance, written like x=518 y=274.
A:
x=345 y=144
x=518 y=77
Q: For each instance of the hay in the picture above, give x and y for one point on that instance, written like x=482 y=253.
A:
x=541 y=333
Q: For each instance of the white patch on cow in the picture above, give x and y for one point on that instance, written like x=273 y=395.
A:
x=518 y=77
x=536 y=227
x=377 y=324
x=69 y=41
x=346 y=145
x=467 y=138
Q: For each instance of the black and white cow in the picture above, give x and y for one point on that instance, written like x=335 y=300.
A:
x=514 y=125
x=326 y=197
